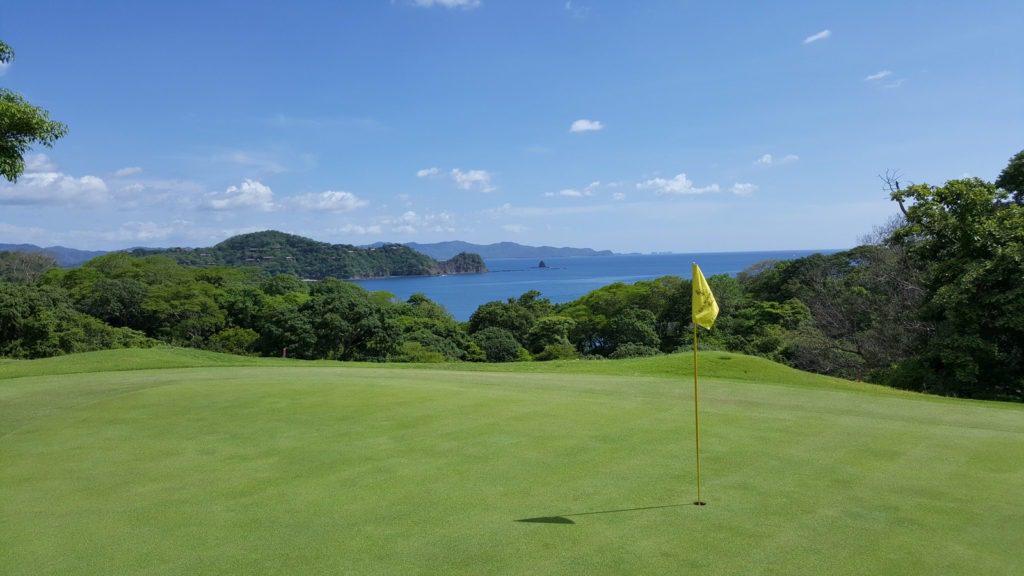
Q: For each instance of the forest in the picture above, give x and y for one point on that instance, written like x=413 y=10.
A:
x=933 y=301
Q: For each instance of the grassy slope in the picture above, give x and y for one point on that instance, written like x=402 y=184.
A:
x=190 y=462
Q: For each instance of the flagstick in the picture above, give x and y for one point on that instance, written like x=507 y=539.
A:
x=696 y=414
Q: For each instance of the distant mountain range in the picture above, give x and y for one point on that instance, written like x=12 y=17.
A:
x=66 y=257
x=445 y=250
x=70 y=257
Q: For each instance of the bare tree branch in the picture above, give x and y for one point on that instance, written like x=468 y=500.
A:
x=891 y=179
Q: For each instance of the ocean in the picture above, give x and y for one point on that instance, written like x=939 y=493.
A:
x=564 y=279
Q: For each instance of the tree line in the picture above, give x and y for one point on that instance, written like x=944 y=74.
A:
x=933 y=301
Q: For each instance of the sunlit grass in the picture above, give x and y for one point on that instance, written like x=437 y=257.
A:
x=171 y=461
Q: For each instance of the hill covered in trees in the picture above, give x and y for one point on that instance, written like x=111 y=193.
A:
x=280 y=253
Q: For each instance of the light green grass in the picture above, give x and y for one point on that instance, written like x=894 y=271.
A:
x=168 y=461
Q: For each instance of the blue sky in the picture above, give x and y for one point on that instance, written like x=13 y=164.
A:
x=632 y=126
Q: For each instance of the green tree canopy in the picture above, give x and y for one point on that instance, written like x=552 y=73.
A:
x=498 y=344
x=21 y=126
x=970 y=242
x=550 y=330
x=1011 y=178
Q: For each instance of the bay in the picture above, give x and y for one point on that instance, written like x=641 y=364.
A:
x=564 y=279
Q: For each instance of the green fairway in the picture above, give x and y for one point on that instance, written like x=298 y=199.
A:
x=170 y=461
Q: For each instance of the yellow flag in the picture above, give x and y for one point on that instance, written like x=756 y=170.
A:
x=705 y=309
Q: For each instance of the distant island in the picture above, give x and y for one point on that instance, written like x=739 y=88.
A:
x=281 y=253
x=445 y=250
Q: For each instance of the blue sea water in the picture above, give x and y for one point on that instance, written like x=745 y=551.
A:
x=564 y=279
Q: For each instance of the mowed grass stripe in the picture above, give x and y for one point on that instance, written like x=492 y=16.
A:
x=291 y=469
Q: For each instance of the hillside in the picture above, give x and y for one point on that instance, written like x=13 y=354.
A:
x=277 y=253
x=170 y=461
x=65 y=257
x=444 y=250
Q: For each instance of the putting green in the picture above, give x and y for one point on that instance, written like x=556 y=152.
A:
x=243 y=466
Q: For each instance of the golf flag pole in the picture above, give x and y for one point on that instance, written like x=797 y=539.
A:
x=696 y=414
x=704 y=312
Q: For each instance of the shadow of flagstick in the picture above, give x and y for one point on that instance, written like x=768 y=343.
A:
x=565 y=518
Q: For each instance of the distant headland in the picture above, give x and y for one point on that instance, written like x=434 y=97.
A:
x=445 y=250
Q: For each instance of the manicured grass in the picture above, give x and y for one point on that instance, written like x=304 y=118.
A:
x=168 y=461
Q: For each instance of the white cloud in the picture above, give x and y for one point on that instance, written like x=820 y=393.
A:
x=179 y=193
x=573 y=193
x=743 y=188
x=878 y=75
x=43 y=183
x=568 y=193
x=409 y=222
x=769 y=160
x=129 y=171
x=131 y=189
x=249 y=194
x=819 y=36
x=330 y=201
x=465 y=4
x=39 y=163
x=438 y=222
x=473 y=179
x=896 y=83
x=585 y=125
x=618 y=196
x=55 y=188
x=358 y=230
x=678 y=185
x=514 y=228
x=464 y=179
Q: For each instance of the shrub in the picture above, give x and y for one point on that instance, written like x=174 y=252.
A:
x=412 y=351
x=563 y=351
x=241 y=341
x=498 y=344
x=633 y=350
